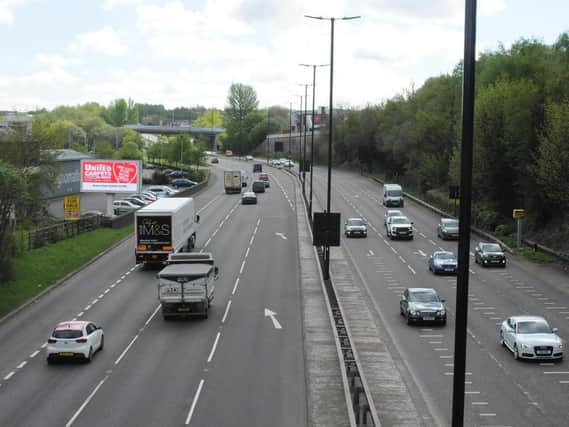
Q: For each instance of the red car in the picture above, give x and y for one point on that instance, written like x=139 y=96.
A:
x=265 y=178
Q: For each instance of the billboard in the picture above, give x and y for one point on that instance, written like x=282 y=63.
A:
x=111 y=176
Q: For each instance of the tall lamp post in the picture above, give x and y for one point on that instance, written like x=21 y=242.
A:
x=289 y=129
x=332 y=20
x=312 y=137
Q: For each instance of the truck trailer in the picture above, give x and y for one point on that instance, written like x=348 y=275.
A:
x=163 y=227
x=187 y=284
x=233 y=181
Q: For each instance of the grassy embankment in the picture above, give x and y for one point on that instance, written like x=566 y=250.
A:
x=37 y=269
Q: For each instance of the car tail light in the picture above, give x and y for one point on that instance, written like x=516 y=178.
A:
x=81 y=340
x=141 y=247
x=51 y=341
x=166 y=248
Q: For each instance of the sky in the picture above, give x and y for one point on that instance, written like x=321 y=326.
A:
x=188 y=53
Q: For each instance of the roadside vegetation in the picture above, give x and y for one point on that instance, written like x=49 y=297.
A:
x=36 y=270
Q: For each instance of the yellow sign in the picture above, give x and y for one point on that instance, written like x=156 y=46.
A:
x=71 y=207
x=518 y=213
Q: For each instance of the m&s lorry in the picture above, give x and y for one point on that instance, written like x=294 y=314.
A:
x=163 y=227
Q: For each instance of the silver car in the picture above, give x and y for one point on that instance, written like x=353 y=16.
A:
x=355 y=227
x=389 y=213
x=447 y=229
x=422 y=305
x=531 y=337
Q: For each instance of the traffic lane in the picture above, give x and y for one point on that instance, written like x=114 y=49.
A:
x=122 y=313
x=170 y=357
x=255 y=352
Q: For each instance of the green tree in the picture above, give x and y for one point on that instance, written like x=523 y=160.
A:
x=117 y=113
x=241 y=101
x=131 y=113
x=209 y=119
x=103 y=150
x=130 y=151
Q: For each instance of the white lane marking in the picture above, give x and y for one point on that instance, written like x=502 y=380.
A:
x=44 y=345
x=495 y=318
x=209 y=203
x=449 y=373
x=258 y=221
x=441 y=349
x=152 y=315
x=242 y=267
x=208 y=241
x=435 y=342
x=128 y=272
x=446 y=357
x=123 y=276
x=411 y=268
x=431 y=336
x=543 y=299
x=563 y=382
x=107 y=291
x=251 y=241
x=422 y=253
x=195 y=401
x=81 y=314
x=126 y=349
x=450 y=365
x=247 y=253
x=422 y=235
x=101 y=296
x=87 y=307
x=34 y=354
x=546 y=364
x=226 y=311
x=371 y=253
x=21 y=365
x=548 y=303
x=433 y=243
x=479 y=403
x=402 y=259
x=212 y=352
x=72 y=420
x=235 y=286
x=556 y=372
x=555 y=308
x=393 y=249
x=385 y=241
x=489 y=313
x=564 y=312
x=10 y=375
x=471 y=392
x=487 y=415
x=484 y=308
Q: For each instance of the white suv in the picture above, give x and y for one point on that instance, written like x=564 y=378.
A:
x=399 y=227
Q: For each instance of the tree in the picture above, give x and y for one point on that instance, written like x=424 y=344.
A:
x=130 y=151
x=117 y=113
x=241 y=101
x=132 y=113
x=209 y=119
x=13 y=192
x=103 y=150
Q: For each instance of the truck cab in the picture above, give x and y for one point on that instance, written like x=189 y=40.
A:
x=186 y=285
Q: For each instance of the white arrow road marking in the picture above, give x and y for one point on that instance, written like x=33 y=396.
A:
x=281 y=235
x=271 y=314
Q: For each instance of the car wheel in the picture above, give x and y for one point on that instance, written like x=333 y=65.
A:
x=409 y=321
x=502 y=339
x=90 y=355
x=102 y=343
x=516 y=353
x=49 y=360
x=443 y=322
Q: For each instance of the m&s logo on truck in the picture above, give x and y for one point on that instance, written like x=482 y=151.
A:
x=155 y=230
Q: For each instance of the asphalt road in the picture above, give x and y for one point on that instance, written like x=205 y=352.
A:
x=498 y=390
x=239 y=367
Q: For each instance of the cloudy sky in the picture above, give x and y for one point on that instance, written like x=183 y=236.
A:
x=188 y=52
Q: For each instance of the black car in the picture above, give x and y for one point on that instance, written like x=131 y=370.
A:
x=258 y=186
x=177 y=174
x=182 y=183
x=487 y=254
x=422 y=305
x=214 y=160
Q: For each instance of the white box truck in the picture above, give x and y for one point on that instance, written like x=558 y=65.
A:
x=187 y=284
x=233 y=181
x=165 y=226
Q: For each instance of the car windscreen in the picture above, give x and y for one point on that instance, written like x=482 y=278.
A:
x=491 y=247
x=423 y=297
x=394 y=193
x=450 y=222
x=67 y=333
x=444 y=255
x=533 y=328
x=356 y=222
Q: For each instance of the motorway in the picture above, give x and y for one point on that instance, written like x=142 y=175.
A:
x=237 y=368
x=499 y=391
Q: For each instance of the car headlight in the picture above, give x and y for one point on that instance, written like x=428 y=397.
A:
x=525 y=347
x=412 y=312
x=441 y=312
x=560 y=346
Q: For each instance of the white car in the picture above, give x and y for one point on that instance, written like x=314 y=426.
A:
x=249 y=157
x=161 y=190
x=531 y=337
x=399 y=227
x=74 y=339
x=124 y=206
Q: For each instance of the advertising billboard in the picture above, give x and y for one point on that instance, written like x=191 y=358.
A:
x=71 y=208
x=111 y=176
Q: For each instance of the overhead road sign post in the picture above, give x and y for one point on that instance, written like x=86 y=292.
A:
x=454 y=194
x=518 y=215
x=71 y=208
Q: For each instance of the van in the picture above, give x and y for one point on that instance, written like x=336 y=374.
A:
x=392 y=195
x=257 y=167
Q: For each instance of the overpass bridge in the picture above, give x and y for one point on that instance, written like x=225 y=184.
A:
x=207 y=133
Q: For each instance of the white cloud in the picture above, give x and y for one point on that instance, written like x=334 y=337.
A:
x=105 y=41
x=52 y=61
x=7 y=15
x=112 y=4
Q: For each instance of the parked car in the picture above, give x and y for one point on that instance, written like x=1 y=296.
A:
x=249 y=157
x=443 y=262
x=422 y=305
x=74 y=339
x=249 y=198
x=161 y=190
x=136 y=201
x=177 y=174
x=530 y=337
x=258 y=187
x=275 y=162
x=447 y=229
x=182 y=183
x=124 y=206
x=399 y=227
x=214 y=160
x=355 y=227
x=390 y=213
x=146 y=196
x=228 y=153
x=287 y=163
x=488 y=254
x=265 y=178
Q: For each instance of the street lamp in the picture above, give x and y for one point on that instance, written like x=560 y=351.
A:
x=312 y=138
x=332 y=20
x=289 y=129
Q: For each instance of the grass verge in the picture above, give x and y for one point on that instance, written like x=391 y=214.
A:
x=35 y=270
